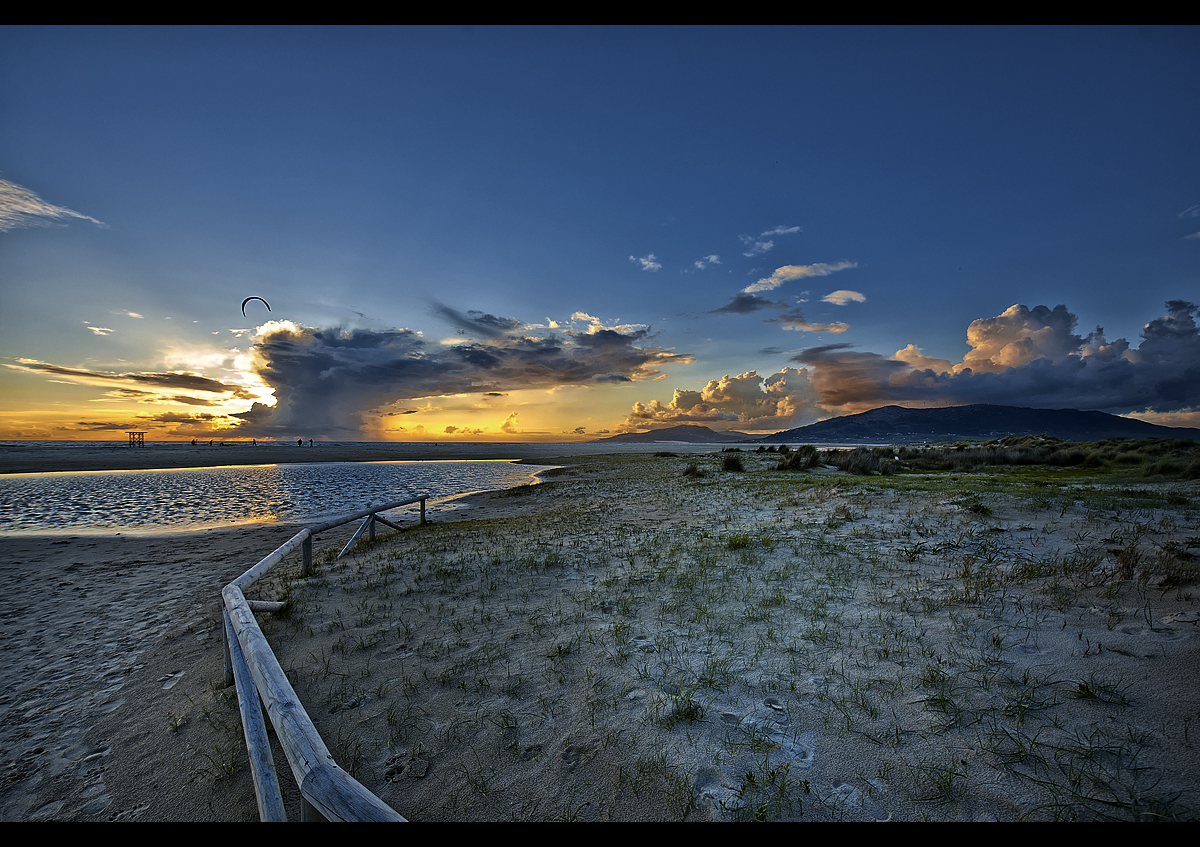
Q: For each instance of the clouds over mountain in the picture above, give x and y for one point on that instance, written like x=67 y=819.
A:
x=1022 y=357
x=1025 y=357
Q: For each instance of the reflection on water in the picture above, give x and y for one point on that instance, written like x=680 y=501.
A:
x=201 y=498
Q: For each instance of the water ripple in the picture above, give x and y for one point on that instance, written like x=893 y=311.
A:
x=203 y=498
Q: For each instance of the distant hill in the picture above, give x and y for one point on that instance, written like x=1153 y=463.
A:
x=896 y=425
x=687 y=433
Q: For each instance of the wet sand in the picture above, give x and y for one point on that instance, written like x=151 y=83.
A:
x=625 y=642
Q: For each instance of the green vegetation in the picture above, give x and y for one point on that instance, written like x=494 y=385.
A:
x=1148 y=458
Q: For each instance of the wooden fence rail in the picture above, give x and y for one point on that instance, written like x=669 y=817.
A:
x=251 y=665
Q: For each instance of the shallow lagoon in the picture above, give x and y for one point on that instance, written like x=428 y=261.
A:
x=204 y=498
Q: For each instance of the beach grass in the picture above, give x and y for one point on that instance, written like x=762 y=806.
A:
x=665 y=637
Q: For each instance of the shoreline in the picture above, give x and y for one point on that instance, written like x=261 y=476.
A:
x=636 y=641
x=58 y=457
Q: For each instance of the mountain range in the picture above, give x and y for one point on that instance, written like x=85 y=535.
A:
x=897 y=425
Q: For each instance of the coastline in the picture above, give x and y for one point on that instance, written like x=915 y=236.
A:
x=623 y=641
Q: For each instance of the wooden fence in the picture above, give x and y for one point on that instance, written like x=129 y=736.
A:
x=251 y=665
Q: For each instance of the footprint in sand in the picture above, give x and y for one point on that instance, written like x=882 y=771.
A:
x=643 y=642
x=171 y=680
x=97 y=805
x=713 y=786
x=1162 y=634
x=47 y=811
x=802 y=752
x=853 y=800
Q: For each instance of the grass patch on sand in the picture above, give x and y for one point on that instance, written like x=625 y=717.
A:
x=631 y=640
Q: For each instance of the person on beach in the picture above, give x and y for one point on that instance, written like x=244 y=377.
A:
x=299 y=442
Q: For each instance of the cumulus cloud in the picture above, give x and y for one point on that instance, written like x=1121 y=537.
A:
x=21 y=207
x=841 y=297
x=790 y=272
x=648 y=263
x=593 y=324
x=1018 y=336
x=707 y=261
x=1025 y=357
x=745 y=401
x=915 y=356
x=327 y=379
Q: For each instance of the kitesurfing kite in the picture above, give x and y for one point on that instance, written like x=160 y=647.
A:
x=248 y=299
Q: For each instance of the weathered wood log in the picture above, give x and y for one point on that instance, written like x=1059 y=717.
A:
x=345 y=519
x=386 y=522
x=258 y=746
x=369 y=520
x=325 y=788
x=256 y=573
x=336 y=794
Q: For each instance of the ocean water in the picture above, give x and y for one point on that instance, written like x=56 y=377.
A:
x=83 y=502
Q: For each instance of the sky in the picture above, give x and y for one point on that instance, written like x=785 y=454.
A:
x=556 y=234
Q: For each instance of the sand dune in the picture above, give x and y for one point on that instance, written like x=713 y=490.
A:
x=625 y=642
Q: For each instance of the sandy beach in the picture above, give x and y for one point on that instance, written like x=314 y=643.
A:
x=629 y=641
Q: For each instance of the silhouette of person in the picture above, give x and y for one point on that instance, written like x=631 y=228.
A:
x=299 y=442
x=310 y=442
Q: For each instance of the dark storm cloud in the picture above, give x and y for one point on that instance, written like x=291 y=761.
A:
x=325 y=380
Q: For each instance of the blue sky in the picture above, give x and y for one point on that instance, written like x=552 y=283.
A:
x=369 y=181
